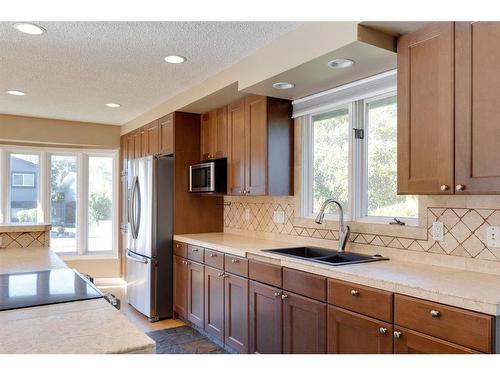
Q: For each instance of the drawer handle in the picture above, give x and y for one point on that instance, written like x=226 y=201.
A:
x=225 y=275
x=178 y=245
x=382 y=330
x=397 y=334
x=354 y=293
x=284 y=296
x=194 y=250
x=213 y=255
x=435 y=313
x=277 y=294
x=234 y=261
x=220 y=274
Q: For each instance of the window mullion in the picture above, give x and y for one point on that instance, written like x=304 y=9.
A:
x=4 y=188
x=82 y=203
x=44 y=188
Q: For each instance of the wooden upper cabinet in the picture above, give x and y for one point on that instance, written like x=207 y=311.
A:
x=138 y=144
x=256 y=144
x=214 y=134
x=221 y=125
x=166 y=128
x=236 y=141
x=153 y=137
x=425 y=110
x=477 y=107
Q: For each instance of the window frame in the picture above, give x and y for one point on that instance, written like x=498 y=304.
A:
x=44 y=192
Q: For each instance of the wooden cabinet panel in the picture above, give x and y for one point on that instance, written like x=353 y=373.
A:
x=195 y=253
x=304 y=325
x=411 y=342
x=463 y=327
x=236 y=147
x=208 y=135
x=362 y=299
x=352 y=333
x=425 y=110
x=180 y=286
x=214 y=259
x=221 y=124
x=236 y=265
x=304 y=283
x=265 y=321
x=236 y=313
x=153 y=138
x=180 y=249
x=195 y=293
x=256 y=144
x=137 y=144
x=130 y=146
x=477 y=98
x=266 y=273
x=144 y=140
x=214 y=302
x=166 y=126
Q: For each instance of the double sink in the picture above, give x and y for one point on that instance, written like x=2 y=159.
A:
x=326 y=256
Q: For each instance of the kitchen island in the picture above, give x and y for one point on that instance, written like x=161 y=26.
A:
x=81 y=327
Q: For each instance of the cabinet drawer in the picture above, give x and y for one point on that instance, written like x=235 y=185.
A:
x=362 y=299
x=214 y=258
x=463 y=327
x=236 y=265
x=180 y=249
x=305 y=283
x=195 y=253
x=266 y=273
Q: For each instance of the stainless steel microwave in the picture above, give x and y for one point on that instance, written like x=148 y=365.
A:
x=208 y=177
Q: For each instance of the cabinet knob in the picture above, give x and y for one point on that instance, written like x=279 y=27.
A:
x=460 y=187
x=220 y=274
x=354 y=293
x=213 y=255
x=225 y=275
x=277 y=294
x=234 y=261
x=382 y=330
x=188 y=262
x=397 y=334
x=444 y=188
x=178 y=245
x=284 y=296
x=435 y=313
x=242 y=191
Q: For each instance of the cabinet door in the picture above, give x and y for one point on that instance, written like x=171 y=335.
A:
x=208 y=135
x=477 y=96
x=166 y=124
x=137 y=144
x=153 y=136
x=352 y=333
x=195 y=293
x=265 y=322
x=236 y=313
x=411 y=342
x=236 y=142
x=130 y=147
x=214 y=302
x=256 y=144
x=144 y=140
x=304 y=325
x=180 y=286
x=425 y=110
x=221 y=141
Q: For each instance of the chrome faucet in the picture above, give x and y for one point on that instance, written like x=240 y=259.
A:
x=344 y=230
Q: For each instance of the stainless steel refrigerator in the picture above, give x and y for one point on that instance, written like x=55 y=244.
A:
x=149 y=236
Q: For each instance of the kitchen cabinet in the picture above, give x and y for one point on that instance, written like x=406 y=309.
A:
x=265 y=319
x=236 y=312
x=304 y=325
x=260 y=142
x=166 y=128
x=195 y=293
x=214 y=134
x=477 y=107
x=138 y=144
x=352 y=333
x=425 y=110
x=214 y=302
x=411 y=342
x=180 y=286
x=153 y=139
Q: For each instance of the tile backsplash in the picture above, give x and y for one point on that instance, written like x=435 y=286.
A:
x=464 y=228
x=24 y=239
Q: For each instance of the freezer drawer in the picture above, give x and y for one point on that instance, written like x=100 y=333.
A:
x=140 y=272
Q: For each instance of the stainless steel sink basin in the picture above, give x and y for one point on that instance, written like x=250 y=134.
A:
x=326 y=256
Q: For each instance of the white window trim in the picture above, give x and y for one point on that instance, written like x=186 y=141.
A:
x=44 y=203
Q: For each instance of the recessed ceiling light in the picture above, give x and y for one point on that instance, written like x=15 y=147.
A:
x=16 y=92
x=283 y=85
x=113 y=105
x=174 y=59
x=340 y=63
x=29 y=28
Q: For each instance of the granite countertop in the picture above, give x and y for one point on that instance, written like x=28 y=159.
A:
x=93 y=326
x=466 y=289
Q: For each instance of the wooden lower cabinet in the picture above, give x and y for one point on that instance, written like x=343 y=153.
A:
x=180 y=286
x=352 y=333
x=195 y=293
x=236 y=312
x=214 y=302
x=410 y=342
x=265 y=319
x=304 y=325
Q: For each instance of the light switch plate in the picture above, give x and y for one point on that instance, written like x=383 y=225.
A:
x=279 y=217
x=493 y=236
x=437 y=231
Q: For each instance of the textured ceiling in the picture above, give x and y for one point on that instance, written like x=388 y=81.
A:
x=74 y=69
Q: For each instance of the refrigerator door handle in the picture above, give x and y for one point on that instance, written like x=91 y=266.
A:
x=132 y=213
x=136 y=258
x=139 y=203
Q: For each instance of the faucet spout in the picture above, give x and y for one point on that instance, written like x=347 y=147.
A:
x=344 y=230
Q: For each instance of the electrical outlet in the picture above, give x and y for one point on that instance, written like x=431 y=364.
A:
x=279 y=217
x=246 y=216
x=493 y=236
x=437 y=231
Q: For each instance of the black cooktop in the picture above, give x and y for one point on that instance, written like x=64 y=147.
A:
x=28 y=289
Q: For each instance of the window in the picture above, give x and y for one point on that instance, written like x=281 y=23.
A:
x=76 y=191
x=349 y=153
